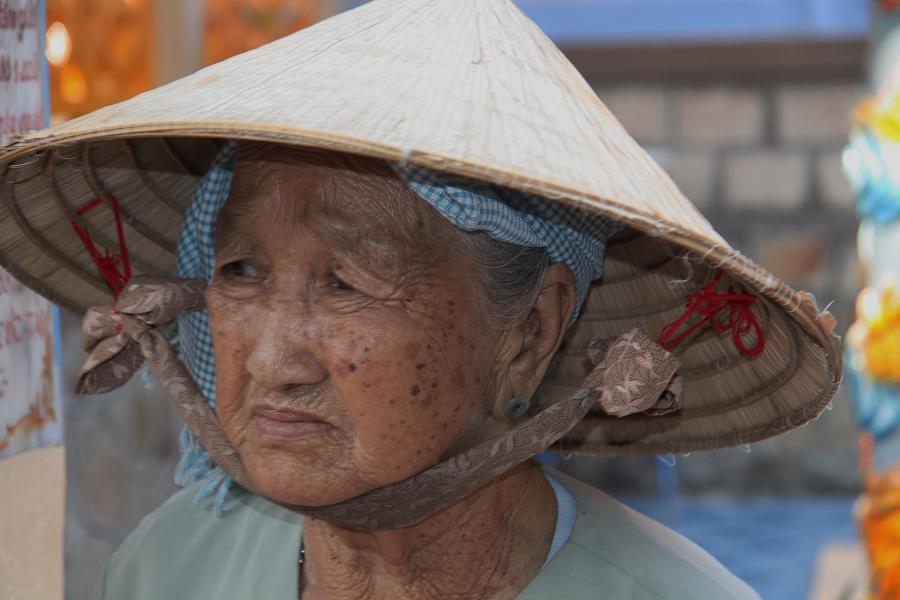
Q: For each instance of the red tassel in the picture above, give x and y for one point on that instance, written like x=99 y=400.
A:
x=711 y=305
x=108 y=263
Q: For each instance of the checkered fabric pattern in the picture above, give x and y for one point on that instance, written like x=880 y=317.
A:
x=196 y=258
x=571 y=236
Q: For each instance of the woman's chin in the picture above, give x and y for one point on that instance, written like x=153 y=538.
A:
x=293 y=494
x=297 y=487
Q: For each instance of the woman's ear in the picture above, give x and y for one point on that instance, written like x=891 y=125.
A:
x=539 y=336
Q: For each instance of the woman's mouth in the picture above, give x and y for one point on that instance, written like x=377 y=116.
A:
x=287 y=422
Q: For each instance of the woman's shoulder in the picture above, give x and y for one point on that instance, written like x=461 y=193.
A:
x=184 y=550
x=627 y=556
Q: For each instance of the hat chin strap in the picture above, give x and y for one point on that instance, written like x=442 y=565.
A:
x=413 y=499
x=119 y=338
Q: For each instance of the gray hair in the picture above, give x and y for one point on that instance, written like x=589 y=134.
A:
x=510 y=276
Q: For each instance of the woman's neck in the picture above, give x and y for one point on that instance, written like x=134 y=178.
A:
x=490 y=544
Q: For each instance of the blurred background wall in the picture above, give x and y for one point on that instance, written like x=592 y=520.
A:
x=752 y=132
x=745 y=102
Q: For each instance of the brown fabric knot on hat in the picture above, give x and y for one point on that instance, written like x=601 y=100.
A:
x=121 y=337
x=633 y=374
x=110 y=334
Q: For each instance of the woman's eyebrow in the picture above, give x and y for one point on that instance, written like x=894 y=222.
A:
x=373 y=246
x=230 y=245
x=227 y=226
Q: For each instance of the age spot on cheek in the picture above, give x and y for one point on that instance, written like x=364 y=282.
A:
x=415 y=390
x=412 y=350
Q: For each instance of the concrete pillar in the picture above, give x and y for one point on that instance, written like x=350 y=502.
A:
x=179 y=38
x=885 y=42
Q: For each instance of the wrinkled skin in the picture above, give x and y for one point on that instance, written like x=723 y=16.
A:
x=340 y=294
x=369 y=328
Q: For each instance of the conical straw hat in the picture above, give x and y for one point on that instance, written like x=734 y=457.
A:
x=468 y=86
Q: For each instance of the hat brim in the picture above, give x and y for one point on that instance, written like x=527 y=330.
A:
x=650 y=268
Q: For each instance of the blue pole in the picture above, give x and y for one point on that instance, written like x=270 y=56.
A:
x=667 y=488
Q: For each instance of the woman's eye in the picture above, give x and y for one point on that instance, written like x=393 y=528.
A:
x=339 y=285
x=238 y=269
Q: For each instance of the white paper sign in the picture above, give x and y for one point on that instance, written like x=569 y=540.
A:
x=29 y=403
x=21 y=68
x=29 y=413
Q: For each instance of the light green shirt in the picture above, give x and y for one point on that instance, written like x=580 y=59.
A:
x=183 y=551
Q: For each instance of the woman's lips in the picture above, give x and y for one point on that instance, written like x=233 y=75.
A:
x=288 y=423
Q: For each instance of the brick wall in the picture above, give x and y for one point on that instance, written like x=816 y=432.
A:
x=762 y=162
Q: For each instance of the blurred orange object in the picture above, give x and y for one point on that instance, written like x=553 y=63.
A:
x=881 y=113
x=887 y=122
x=92 y=43
x=878 y=512
x=235 y=26
x=877 y=331
x=72 y=86
x=106 y=51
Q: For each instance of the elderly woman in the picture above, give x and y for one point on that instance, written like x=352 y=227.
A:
x=385 y=310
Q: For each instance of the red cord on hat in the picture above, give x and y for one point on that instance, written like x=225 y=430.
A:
x=108 y=262
x=709 y=303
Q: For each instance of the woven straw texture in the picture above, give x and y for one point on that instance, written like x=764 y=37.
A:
x=468 y=86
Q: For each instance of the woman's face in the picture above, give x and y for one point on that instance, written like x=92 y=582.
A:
x=349 y=353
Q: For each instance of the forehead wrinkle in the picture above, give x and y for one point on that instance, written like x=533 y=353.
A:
x=230 y=245
x=343 y=183
x=375 y=218
x=369 y=245
x=344 y=216
x=257 y=192
x=357 y=205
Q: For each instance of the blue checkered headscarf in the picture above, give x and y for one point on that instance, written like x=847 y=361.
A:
x=571 y=236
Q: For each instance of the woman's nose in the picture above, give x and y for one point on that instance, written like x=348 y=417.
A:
x=281 y=358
